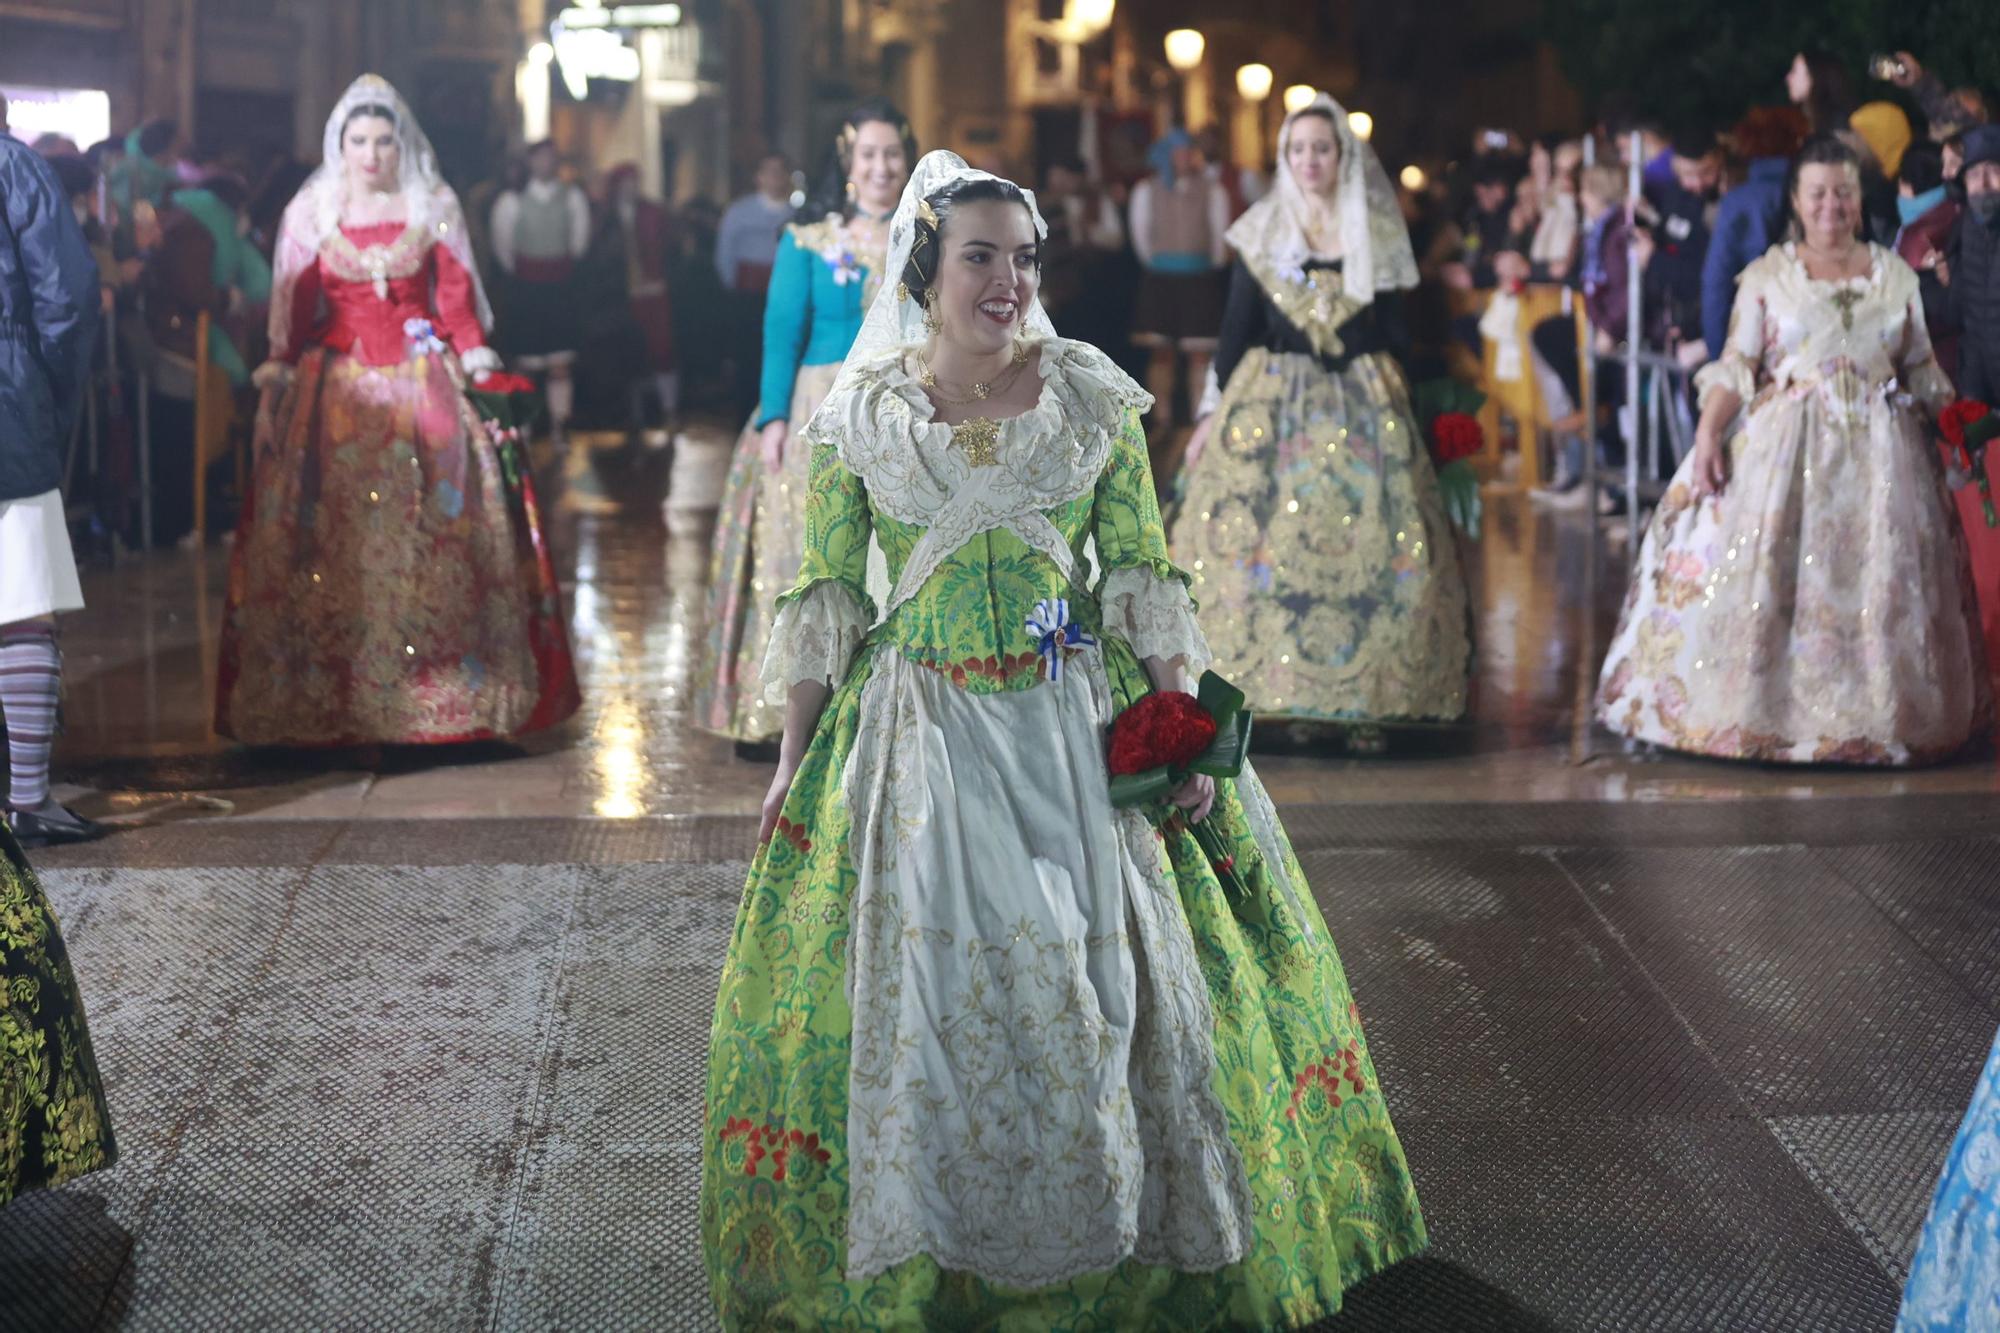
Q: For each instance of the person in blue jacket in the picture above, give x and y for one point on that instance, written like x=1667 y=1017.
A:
x=48 y=328
x=828 y=268
x=1748 y=220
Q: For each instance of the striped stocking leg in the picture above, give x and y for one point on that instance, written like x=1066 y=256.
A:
x=30 y=678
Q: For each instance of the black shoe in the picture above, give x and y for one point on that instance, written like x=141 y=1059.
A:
x=758 y=752
x=52 y=825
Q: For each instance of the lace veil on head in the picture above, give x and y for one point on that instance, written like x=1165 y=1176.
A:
x=1374 y=239
x=896 y=319
x=314 y=212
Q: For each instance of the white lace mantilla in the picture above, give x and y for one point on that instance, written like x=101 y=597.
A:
x=1155 y=615
x=886 y=432
x=813 y=638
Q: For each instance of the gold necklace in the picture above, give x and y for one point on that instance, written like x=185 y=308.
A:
x=981 y=391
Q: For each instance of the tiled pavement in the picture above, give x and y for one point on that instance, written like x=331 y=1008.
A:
x=1651 y=1073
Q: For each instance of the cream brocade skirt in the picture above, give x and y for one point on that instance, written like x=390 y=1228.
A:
x=1327 y=573
x=1820 y=611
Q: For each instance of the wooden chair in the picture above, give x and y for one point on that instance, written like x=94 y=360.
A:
x=214 y=423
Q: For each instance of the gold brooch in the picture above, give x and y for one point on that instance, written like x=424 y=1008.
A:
x=979 y=440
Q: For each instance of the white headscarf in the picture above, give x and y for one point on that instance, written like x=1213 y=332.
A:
x=314 y=213
x=1374 y=240
x=895 y=318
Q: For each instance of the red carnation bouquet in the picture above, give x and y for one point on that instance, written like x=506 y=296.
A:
x=1968 y=426
x=508 y=404
x=1447 y=408
x=1161 y=740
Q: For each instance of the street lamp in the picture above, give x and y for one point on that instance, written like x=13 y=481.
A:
x=1362 y=124
x=1299 y=96
x=1184 y=49
x=1087 y=18
x=1253 y=82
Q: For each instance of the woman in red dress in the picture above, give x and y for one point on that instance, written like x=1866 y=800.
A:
x=389 y=584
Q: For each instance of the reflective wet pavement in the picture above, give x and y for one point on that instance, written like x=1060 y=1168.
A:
x=417 y=1039
x=141 y=662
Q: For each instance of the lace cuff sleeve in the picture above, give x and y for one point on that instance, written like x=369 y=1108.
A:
x=1155 y=615
x=814 y=637
x=1732 y=373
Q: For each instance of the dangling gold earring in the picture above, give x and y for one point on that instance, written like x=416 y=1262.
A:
x=852 y=193
x=931 y=321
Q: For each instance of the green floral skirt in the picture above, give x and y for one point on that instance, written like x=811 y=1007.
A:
x=1319 y=1178
x=53 y=1122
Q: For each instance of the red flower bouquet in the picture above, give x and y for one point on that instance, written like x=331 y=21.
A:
x=1161 y=740
x=1968 y=426
x=1455 y=436
x=508 y=404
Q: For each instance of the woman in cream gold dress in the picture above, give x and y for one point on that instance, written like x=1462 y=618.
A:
x=1803 y=594
x=988 y=1052
x=1312 y=520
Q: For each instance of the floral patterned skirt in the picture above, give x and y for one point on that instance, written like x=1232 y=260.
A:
x=390 y=582
x=1819 y=611
x=1955 y=1278
x=1327 y=573
x=1071 y=1089
x=759 y=536
x=54 y=1125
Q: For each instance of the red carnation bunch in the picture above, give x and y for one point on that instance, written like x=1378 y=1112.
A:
x=1455 y=436
x=503 y=381
x=1968 y=426
x=1165 y=730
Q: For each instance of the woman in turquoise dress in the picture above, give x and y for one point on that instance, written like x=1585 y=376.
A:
x=825 y=274
x=53 y=1123
x=987 y=1051
x=1955 y=1279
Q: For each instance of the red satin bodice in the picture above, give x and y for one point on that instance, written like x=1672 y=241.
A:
x=350 y=317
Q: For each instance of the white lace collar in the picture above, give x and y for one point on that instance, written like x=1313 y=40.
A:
x=886 y=432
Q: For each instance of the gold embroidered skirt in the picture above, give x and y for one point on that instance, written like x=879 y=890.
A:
x=1325 y=567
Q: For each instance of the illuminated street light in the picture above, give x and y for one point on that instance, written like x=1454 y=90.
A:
x=1362 y=124
x=1413 y=178
x=1299 y=96
x=1184 y=48
x=1087 y=18
x=1253 y=82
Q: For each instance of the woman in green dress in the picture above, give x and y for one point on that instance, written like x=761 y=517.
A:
x=989 y=1052
x=1312 y=520
x=53 y=1122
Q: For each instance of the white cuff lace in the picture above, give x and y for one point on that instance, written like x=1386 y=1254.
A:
x=1155 y=615
x=1733 y=372
x=814 y=638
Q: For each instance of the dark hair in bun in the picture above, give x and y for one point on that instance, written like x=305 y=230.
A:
x=927 y=245
x=830 y=196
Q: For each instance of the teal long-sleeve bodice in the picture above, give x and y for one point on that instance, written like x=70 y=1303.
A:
x=821 y=284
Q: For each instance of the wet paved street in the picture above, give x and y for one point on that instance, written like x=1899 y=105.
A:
x=416 y=1040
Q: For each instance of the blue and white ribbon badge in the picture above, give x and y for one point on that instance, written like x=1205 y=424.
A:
x=1054 y=632
x=422 y=337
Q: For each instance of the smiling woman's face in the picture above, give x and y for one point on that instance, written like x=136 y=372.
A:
x=989 y=274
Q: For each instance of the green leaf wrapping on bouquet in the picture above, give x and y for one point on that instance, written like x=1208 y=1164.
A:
x=1224 y=702
x=1151 y=787
x=1980 y=433
x=1458 y=487
x=511 y=411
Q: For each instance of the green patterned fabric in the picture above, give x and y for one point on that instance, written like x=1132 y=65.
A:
x=1332 y=1193
x=53 y=1122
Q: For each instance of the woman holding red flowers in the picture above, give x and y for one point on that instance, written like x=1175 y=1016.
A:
x=390 y=581
x=995 y=1047
x=1803 y=594
x=1312 y=520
